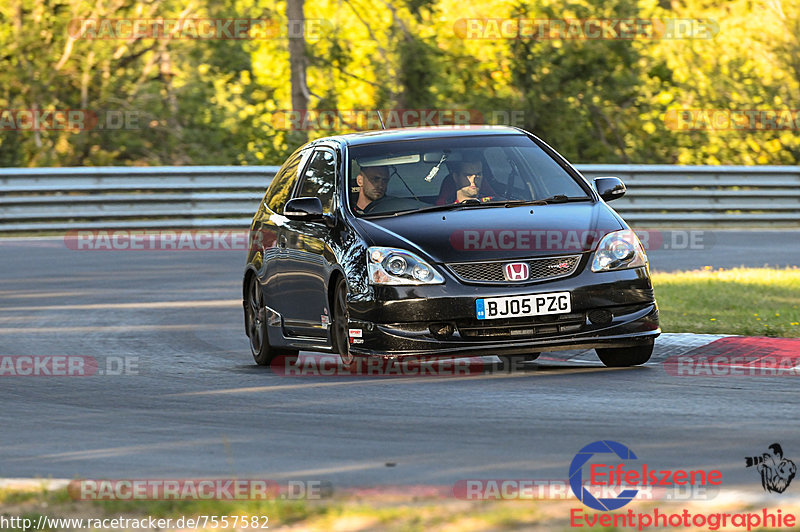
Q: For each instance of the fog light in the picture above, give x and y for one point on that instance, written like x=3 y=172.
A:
x=441 y=331
x=600 y=317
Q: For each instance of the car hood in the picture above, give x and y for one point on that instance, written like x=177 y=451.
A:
x=487 y=233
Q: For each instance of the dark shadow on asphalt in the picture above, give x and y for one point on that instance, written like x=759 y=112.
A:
x=322 y=366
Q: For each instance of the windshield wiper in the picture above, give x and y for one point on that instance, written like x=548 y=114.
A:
x=473 y=203
x=446 y=207
x=562 y=198
x=558 y=198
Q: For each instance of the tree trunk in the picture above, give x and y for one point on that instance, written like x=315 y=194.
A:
x=297 y=58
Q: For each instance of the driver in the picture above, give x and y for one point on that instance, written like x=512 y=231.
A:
x=466 y=182
x=372 y=181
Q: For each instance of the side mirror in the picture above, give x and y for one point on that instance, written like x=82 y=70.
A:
x=609 y=188
x=304 y=209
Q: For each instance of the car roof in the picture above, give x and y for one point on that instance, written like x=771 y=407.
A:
x=420 y=133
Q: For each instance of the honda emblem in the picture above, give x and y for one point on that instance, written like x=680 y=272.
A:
x=516 y=271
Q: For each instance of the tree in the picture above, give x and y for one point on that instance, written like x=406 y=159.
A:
x=297 y=58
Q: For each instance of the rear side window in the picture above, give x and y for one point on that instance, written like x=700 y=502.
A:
x=282 y=184
x=319 y=179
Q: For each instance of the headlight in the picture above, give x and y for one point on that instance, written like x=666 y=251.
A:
x=396 y=266
x=619 y=250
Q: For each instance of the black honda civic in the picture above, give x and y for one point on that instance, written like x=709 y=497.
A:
x=444 y=242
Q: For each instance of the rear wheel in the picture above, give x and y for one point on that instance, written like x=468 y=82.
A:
x=620 y=357
x=256 y=309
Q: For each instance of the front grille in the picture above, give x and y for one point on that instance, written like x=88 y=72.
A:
x=492 y=272
x=600 y=316
x=522 y=327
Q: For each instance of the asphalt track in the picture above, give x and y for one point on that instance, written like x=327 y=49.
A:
x=194 y=405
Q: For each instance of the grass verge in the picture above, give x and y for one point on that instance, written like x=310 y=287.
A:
x=340 y=512
x=385 y=513
x=746 y=301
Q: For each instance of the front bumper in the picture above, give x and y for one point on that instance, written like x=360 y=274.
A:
x=610 y=309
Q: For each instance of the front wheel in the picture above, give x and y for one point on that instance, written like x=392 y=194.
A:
x=341 y=324
x=256 y=310
x=621 y=357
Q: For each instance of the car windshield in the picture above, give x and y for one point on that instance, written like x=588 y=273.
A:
x=455 y=172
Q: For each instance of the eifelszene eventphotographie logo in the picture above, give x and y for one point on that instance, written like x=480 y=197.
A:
x=614 y=470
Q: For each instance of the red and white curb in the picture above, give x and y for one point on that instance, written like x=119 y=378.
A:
x=667 y=345
x=708 y=355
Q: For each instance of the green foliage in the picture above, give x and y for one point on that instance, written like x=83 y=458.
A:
x=746 y=301
x=417 y=73
x=219 y=101
x=580 y=95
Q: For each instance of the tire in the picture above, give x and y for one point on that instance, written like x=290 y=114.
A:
x=341 y=326
x=621 y=357
x=256 y=314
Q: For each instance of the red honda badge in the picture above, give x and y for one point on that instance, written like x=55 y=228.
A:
x=516 y=271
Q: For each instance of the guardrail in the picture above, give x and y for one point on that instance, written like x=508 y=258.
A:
x=706 y=196
x=63 y=199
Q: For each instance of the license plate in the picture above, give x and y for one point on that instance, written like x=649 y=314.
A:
x=492 y=308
